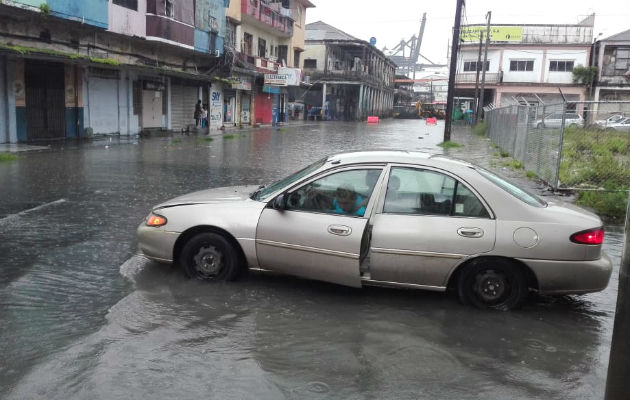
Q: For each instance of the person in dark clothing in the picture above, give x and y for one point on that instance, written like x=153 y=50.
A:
x=198 y=112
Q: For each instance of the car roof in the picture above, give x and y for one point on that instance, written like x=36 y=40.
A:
x=396 y=156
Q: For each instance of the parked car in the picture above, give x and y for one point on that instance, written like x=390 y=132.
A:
x=387 y=218
x=609 y=121
x=554 y=120
x=623 y=125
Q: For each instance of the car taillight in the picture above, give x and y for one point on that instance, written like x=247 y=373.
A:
x=156 y=220
x=591 y=236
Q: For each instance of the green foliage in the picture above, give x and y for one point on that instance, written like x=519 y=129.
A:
x=231 y=136
x=514 y=164
x=584 y=75
x=204 y=139
x=481 y=129
x=504 y=154
x=44 y=8
x=610 y=206
x=5 y=157
x=597 y=159
x=449 y=145
x=530 y=174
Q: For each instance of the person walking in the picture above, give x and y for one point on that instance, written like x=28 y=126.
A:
x=197 y=114
x=204 y=116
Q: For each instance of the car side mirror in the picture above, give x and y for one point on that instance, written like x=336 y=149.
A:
x=280 y=203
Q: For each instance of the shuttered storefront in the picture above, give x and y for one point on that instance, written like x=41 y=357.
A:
x=184 y=96
x=103 y=100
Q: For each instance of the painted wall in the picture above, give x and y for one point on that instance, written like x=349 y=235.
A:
x=177 y=30
x=32 y=3
x=205 y=39
x=4 y=107
x=579 y=57
x=92 y=12
x=128 y=22
x=314 y=51
x=73 y=93
x=259 y=33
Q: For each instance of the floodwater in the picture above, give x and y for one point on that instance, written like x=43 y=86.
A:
x=82 y=316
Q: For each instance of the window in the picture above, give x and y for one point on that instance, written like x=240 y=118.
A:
x=471 y=66
x=130 y=4
x=512 y=189
x=423 y=192
x=230 y=35
x=283 y=52
x=622 y=61
x=262 y=47
x=265 y=192
x=561 y=66
x=248 y=41
x=170 y=9
x=521 y=65
x=310 y=63
x=296 y=59
x=346 y=193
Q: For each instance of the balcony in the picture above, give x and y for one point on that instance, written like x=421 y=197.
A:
x=494 y=77
x=260 y=64
x=268 y=17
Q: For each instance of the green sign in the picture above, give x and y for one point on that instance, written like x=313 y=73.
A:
x=497 y=33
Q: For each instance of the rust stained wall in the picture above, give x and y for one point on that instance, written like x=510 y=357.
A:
x=179 y=29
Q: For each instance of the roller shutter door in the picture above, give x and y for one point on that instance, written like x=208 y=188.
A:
x=183 y=100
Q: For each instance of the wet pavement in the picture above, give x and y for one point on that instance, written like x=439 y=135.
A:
x=82 y=316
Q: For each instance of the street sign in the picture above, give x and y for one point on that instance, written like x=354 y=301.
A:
x=372 y=40
x=497 y=33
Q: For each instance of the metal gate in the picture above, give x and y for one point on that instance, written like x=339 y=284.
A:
x=183 y=100
x=45 y=100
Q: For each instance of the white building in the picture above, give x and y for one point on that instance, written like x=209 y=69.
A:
x=613 y=77
x=525 y=62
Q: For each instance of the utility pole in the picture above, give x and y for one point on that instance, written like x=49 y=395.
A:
x=483 y=68
x=617 y=386
x=477 y=76
x=451 y=73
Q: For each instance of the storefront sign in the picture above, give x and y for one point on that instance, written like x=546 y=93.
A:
x=241 y=83
x=497 y=33
x=153 y=85
x=276 y=79
x=271 y=89
x=294 y=75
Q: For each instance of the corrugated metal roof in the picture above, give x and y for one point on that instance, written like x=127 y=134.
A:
x=322 y=31
x=620 y=37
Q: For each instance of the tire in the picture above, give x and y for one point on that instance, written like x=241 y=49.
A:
x=493 y=283
x=210 y=257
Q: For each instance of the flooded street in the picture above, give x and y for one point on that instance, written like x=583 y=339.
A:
x=82 y=316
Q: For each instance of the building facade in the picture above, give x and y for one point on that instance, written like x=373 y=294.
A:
x=264 y=37
x=350 y=78
x=525 y=62
x=612 y=58
x=76 y=68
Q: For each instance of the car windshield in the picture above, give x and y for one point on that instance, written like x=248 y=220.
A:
x=265 y=191
x=512 y=189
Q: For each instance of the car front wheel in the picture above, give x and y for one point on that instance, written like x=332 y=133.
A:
x=209 y=256
x=492 y=283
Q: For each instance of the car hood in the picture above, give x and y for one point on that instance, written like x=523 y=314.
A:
x=228 y=194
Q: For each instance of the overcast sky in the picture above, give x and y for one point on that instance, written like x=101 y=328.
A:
x=392 y=20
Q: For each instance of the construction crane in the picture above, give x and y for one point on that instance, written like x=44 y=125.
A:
x=411 y=63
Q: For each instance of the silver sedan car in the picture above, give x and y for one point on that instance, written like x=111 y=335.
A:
x=387 y=218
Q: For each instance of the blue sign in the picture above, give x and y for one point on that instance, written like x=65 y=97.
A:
x=372 y=40
x=271 y=89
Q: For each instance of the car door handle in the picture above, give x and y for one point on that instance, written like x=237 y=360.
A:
x=340 y=230
x=470 y=232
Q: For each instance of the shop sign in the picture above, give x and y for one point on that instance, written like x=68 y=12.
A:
x=276 y=79
x=294 y=75
x=153 y=85
x=497 y=33
x=271 y=89
x=241 y=83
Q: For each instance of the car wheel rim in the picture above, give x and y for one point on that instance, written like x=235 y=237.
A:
x=491 y=286
x=208 y=262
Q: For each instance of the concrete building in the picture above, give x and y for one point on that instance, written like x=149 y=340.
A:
x=525 y=62
x=264 y=36
x=351 y=79
x=612 y=58
x=76 y=68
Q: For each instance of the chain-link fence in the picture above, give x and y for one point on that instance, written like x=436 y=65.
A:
x=581 y=146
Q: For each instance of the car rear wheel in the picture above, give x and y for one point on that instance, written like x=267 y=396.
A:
x=209 y=256
x=492 y=283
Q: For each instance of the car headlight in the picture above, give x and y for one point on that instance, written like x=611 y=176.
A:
x=155 y=220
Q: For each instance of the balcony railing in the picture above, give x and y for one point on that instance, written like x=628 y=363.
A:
x=267 y=15
x=493 y=77
x=260 y=64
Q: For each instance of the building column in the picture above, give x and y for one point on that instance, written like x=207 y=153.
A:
x=359 y=111
x=323 y=100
